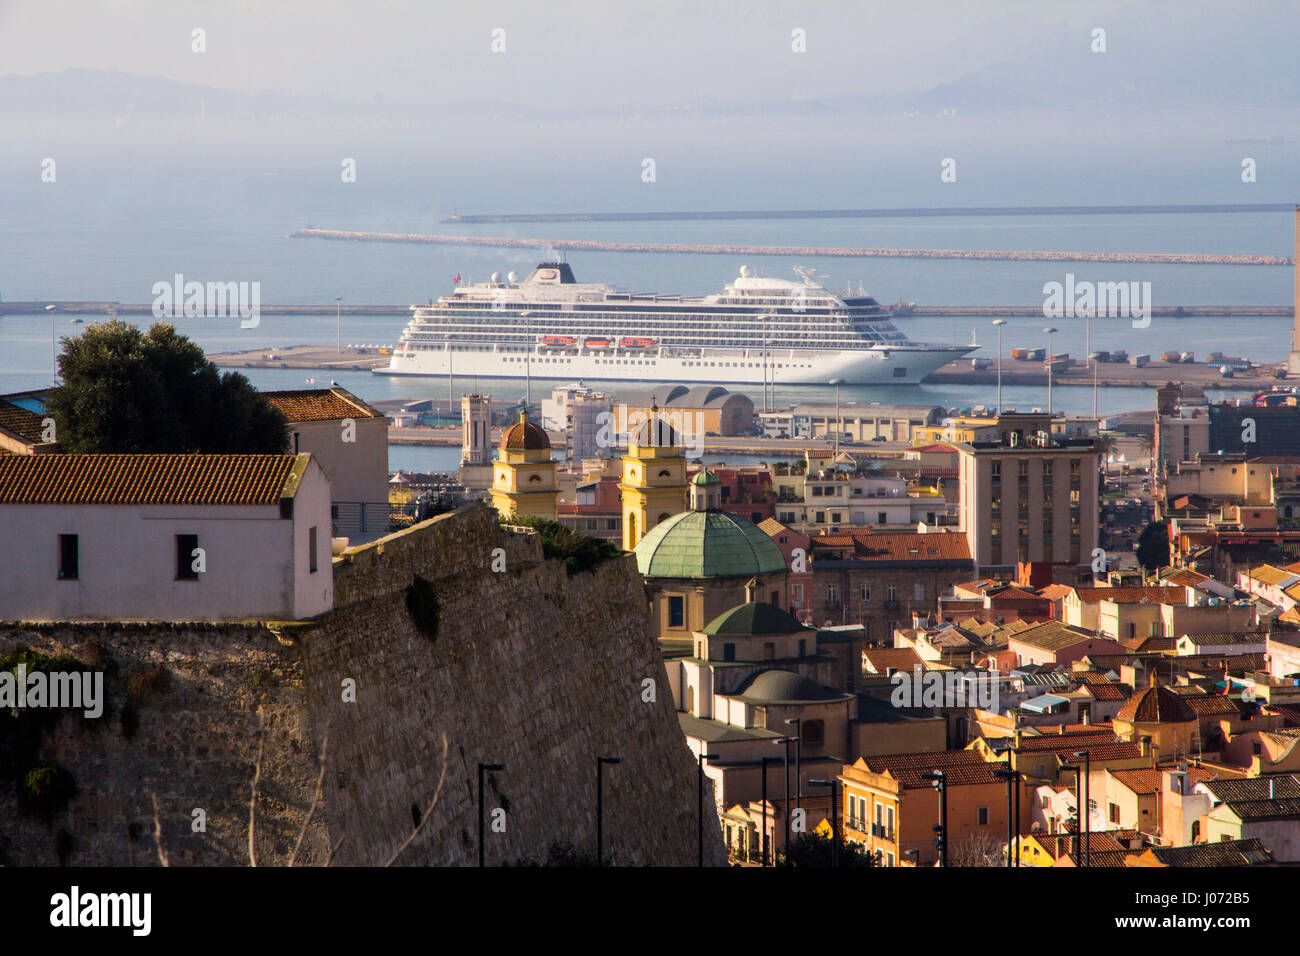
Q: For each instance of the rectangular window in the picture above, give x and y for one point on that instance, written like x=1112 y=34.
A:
x=311 y=548
x=186 y=545
x=919 y=592
x=866 y=592
x=68 y=557
x=728 y=652
x=983 y=816
x=676 y=611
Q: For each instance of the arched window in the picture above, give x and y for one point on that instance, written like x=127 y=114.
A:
x=665 y=474
x=1286 y=512
x=534 y=477
x=812 y=732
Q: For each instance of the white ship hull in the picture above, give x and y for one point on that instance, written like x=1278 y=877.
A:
x=886 y=366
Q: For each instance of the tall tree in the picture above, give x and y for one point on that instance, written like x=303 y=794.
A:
x=1153 y=546
x=128 y=391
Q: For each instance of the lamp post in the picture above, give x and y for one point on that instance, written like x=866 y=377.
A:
x=786 y=815
x=798 y=758
x=835 y=818
x=1078 y=817
x=1087 y=804
x=338 y=321
x=703 y=757
x=837 y=382
x=939 y=780
x=999 y=323
x=763 y=846
x=600 y=805
x=482 y=769
x=1012 y=777
x=1049 y=330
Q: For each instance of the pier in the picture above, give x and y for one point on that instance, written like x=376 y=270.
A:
x=901 y=213
x=591 y=245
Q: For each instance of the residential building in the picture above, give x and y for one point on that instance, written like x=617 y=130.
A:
x=164 y=538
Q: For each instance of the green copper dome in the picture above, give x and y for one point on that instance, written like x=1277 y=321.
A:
x=707 y=544
x=750 y=620
x=706 y=477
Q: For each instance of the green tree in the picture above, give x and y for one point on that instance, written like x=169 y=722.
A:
x=1153 y=546
x=814 y=850
x=134 y=392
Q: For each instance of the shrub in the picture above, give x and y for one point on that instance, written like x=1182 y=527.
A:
x=46 y=790
x=578 y=551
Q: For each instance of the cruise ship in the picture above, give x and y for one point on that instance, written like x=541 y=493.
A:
x=758 y=329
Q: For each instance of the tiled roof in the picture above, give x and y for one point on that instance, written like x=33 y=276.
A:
x=1227 y=638
x=1053 y=636
x=881 y=659
x=1185 y=577
x=1148 y=779
x=148 y=479
x=1132 y=595
x=1155 y=704
x=1112 y=859
x=1054 y=743
x=1284 y=787
x=1151 y=643
x=1267 y=574
x=1107 y=691
x=320 y=405
x=1224 y=853
x=960 y=767
x=1054 y=591
x=885 y=546
x=19 y=421
x=1208 y=705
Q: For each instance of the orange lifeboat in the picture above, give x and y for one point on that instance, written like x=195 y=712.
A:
x=557 y=341
x=634 y=343
x=599 y=343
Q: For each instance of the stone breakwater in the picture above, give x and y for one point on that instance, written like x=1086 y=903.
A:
x=526 y=666
x=591 y=245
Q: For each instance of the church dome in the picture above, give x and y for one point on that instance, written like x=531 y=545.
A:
x=1155 y=705
x=783 y=687
x=705 y=477
x=523 y=434
x=706 y=544
x=753 y=620
x=654 y=432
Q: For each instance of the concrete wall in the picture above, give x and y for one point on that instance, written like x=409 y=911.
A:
x=529 y=667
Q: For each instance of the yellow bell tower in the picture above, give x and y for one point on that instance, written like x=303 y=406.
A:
x=653 y=486
x=523 y=476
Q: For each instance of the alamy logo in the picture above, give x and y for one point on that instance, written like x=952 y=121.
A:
x=74 y=908
x=215 y=300
x=945 y=689
x=687 y=426
x=1108 y=300
x=78 y=690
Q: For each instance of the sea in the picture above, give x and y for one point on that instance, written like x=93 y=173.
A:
x=104 y=233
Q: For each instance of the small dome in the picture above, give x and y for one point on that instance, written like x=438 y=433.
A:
x=654 y=432
x=1155 y=705
x=706 y=477
x=783 y=687
x=752 y=620
x=523 y=434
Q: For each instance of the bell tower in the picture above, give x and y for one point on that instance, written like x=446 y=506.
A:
x=653 y=485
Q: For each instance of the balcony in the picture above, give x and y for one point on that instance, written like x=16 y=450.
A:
x=882 y=831
x=891 y=604
x=832 y=605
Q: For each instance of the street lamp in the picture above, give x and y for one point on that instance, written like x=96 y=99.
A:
x=482 y=769
x=1049 y=330
x=338 y=321
x=837 y=382
x=763 y=842
x=798 y=758
x=1012 y=777
x=835 y=818
x=600 y=804
x=999 y=323
x=703 y=757
x=786 y=815
x=1087 y=803
x=1078 y=817
x=939 y=780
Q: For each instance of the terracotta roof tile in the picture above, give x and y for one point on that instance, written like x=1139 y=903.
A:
x=320 y=405
x=145 y=479
x=19 y=421
x=1153 y=595
x=960 y=767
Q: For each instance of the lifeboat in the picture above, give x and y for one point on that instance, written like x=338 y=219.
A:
x=599 y=343
x=557 y=341
x=634 y=343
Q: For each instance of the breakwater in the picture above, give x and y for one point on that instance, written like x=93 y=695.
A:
x=900 y=213
x=591 y=245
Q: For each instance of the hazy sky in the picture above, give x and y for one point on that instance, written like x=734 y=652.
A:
x=598 y=52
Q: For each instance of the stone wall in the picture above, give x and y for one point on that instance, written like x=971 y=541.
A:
x=528 y=667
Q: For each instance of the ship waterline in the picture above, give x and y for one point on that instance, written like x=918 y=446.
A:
x=758 y=329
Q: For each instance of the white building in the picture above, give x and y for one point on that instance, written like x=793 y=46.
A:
x=349 y=440
x=580 y=413
x=164 y=538
x=476 y=429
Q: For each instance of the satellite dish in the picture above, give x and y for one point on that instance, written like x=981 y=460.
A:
x=512 y=276
x=744 y=272
x=496 y=277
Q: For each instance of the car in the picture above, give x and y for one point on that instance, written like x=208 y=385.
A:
x=880 y=438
